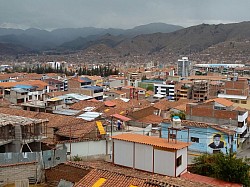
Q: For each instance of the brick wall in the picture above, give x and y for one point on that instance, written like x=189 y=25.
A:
x=66 y=172
x=72 y=84
x=206 y=113
x=143 y=112
x=8 y=174
x=239 y=87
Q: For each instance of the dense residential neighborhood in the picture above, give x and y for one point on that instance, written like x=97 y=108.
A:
x=107 y=129
x=124 y=93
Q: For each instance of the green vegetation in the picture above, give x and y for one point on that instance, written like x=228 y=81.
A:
x=76 y=158
x=102 y=71
x=181 y=115
x=225 y=167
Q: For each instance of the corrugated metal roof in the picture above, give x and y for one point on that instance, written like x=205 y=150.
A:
x=89 y=116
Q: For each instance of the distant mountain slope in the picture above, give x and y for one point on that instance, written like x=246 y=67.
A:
x=42 y=39
x=188 y=40
x=11 y=49
x=152 y=28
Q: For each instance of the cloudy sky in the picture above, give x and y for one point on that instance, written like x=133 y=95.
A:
x=51 y=14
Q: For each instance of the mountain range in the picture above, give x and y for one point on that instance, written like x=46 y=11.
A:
x=37 y=39
x=144 y=39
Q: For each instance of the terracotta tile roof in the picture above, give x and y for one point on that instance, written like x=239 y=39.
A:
x=78 y=130
x=181 y=107
x=124 y=177
x=149 y=140
x=119 y=92
x=164 y=104
x=111 y=179
x=202 y=125
x=139 y=103
x=109 y=103
x=223 y=101
x=123 y=118
x=38 y=83
x=208 y=180
x=151 y=119
x=128 y=87
x=94 y=78
x=54 y=120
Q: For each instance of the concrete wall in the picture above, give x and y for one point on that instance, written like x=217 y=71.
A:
x=212 y=120
x=144 y=157
x=124 y=153
x=88 y=148
x=9 y=174
x=149 y=158
x=164 y=162
x=183 y=167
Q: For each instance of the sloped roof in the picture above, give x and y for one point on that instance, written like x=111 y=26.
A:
x=123 y=176
x=151 y=119
x=149 y=140
x=223 y=101
x=208 y=180
x=203 y=125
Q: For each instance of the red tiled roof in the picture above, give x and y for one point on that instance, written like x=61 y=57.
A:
x=223 y=101
x=123 y=118
x=109 y=103
x=202 y=125
x=149 y=140
x=151 y=119
x=208 y=180
x=78 y=130
x=124 y=177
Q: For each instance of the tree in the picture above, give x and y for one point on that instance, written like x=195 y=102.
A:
x=150 y=87
x=225 y=167
x=181 y=115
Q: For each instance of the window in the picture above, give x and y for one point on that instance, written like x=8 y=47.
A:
x=194 y=139
x=172 y=136
x=240 y=124
x=179 y=161
x=243 y=102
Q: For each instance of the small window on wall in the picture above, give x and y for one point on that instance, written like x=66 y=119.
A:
x=179 y=161
x=194 y=139
x=216 y=151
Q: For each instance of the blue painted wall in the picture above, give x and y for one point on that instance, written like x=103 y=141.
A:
x=205 y=136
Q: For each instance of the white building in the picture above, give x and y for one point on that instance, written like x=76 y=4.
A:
x=152 y=154
x=166 y=90
x=184 y=67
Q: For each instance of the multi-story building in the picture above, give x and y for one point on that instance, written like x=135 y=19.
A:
x=20 y=133
x=200 y=90
x=55 y=85
x=237 y=90
x=167 y=90
x=220 y=111
x=183 y=90
x=184 y=67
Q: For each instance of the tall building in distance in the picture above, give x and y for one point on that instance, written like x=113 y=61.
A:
x=184 y=67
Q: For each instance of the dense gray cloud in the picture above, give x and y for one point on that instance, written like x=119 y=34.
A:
x=50 y=14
